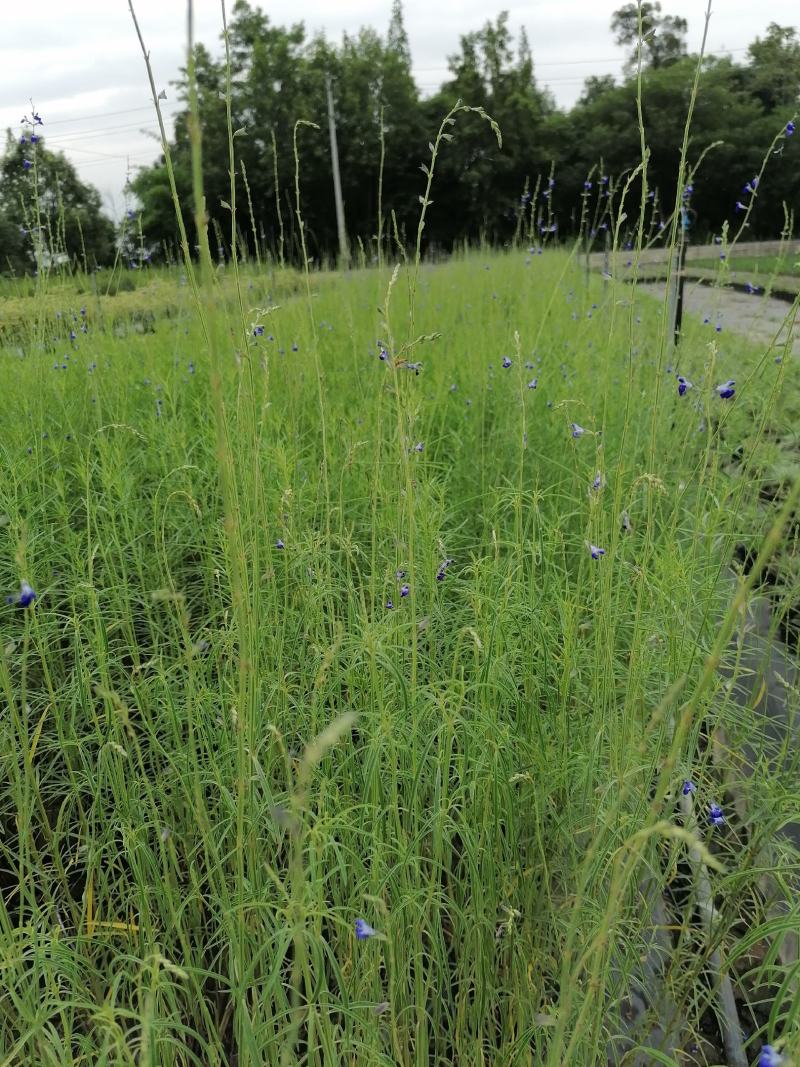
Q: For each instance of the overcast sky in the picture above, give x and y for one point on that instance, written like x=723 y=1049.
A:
x=80 y=61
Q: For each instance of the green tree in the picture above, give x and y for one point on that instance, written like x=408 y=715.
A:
x=47 y=212
x=480 y=181
x=663 y=36
x=773 y=73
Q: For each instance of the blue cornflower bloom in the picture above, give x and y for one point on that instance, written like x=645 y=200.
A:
x=715 y=815
x=279 y=544
x=577 y=431
x=790 y=128
x=595 y=551
x=506 y=362
x=533 y=383
x=26 y=596
x=26 y=164
x=363 y=930
x=726 y=390
x=683 y=384
x=405 y=589
x=768 y=1057
x=689 y=787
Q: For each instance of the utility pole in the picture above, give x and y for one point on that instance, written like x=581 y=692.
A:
x=344 y=255
x=676 y=298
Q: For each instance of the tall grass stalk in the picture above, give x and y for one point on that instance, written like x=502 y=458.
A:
x=222 y=746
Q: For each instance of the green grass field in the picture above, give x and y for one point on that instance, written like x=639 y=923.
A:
x=252 y=704
x=766 y=266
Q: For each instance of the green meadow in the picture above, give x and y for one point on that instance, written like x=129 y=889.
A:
x=319 y=636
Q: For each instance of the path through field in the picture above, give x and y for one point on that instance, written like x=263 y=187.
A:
x=761 y=319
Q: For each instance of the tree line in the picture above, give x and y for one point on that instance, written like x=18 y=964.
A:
x=556 y=170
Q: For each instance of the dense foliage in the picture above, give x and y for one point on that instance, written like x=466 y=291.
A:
x=46 y=212
x=278 y=75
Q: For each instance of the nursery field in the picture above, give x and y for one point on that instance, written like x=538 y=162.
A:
x=370 y=673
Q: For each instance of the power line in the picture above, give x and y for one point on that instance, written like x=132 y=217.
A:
x=84 y=134
x=98 y=115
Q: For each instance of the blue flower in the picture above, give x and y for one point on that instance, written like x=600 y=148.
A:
x=740 y=206
x=506 y=362
x=726 y=390
x=294 y=348
x=418 y=447
x=443 y=569
x=577 y=431
x=258 y=331
x=715 y=815
x=533 y=383
x=37 y=119
x=405 y=589
x=769 y=1057
x=23 y=139
x=416 y=367
x=596 y=552
x=400 y=575
x=26 y=164
x=751 y=186
x=363 y=930
x=26 y=596
x=683 y=384
x=689 y=787
x=389 y=604
x=279 y=543
x=598 y=481
x=790 y=128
